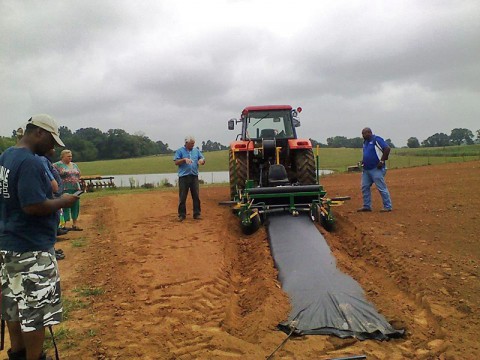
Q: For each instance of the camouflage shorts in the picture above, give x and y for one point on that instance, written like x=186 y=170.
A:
x=30 y=289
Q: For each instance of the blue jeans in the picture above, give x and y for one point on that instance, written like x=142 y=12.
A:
x=377 y=177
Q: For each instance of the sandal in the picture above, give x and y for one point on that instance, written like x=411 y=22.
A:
x=76 y=228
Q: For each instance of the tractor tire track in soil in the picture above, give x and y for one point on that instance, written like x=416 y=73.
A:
x=202 y=290
x=174 y=290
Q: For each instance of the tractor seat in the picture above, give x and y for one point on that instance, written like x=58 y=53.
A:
x=267 y=134
x=277 y=176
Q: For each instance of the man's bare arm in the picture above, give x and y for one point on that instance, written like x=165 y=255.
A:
x=49 y=206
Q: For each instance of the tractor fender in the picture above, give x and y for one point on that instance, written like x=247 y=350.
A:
x=242 y=146
x=294 y=144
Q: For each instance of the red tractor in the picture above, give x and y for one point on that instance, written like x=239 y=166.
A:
x=267 y=152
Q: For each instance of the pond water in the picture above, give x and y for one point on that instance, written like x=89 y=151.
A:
x=214 y=177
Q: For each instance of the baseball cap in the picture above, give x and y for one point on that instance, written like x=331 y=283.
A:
x=46 y=122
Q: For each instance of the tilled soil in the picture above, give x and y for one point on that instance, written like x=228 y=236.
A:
x=138 y=284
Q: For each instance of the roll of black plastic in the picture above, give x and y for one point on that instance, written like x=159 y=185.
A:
x=284 y=189
x=324 y=300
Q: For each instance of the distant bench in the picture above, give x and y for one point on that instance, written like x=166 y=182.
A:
x=89 y=183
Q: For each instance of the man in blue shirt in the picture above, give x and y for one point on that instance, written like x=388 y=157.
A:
x=56 y=183
x=187 y=158
x=29 y=271
x=375 y=153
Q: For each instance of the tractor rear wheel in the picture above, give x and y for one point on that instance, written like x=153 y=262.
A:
x=238 y=174
x=305 y=165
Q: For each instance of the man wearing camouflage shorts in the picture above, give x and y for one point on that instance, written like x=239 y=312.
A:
x=29 y=272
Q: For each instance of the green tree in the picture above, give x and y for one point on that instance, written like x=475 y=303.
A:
x=95 y=137
x=210 y=145
x=163 y=148
x=438 y=139
x=390 y=143
x=413 y=143
x=337 y=141
x=6 y=142
x=144 y=145
x=315 y=143
x=91 y=134
x=119 y=145
x=65 y=132
x=342 y=141
x=459 y=136
x=355 y=143
x=83 y=150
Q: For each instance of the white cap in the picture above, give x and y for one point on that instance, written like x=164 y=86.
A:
x=46 y=122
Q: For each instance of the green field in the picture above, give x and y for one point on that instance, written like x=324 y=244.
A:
x=161 y=164
x=337 y=159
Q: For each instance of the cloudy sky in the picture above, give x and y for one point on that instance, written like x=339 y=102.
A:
x=170 y=68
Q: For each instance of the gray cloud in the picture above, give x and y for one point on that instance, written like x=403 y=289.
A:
x=405 y=68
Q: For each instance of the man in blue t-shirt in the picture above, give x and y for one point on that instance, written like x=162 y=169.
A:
x=57 y=189
x=375 y=153
x=29 y=271
x=187 y=158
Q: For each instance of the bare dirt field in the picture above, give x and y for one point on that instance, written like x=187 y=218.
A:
x=140 y=285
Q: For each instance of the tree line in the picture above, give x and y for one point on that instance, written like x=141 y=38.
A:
x=458 y=136
x=212 y=146
x=342 y=141
x=89 y=144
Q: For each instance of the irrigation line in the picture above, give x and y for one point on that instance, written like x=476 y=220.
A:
x=281 y=344
x=352 y=357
